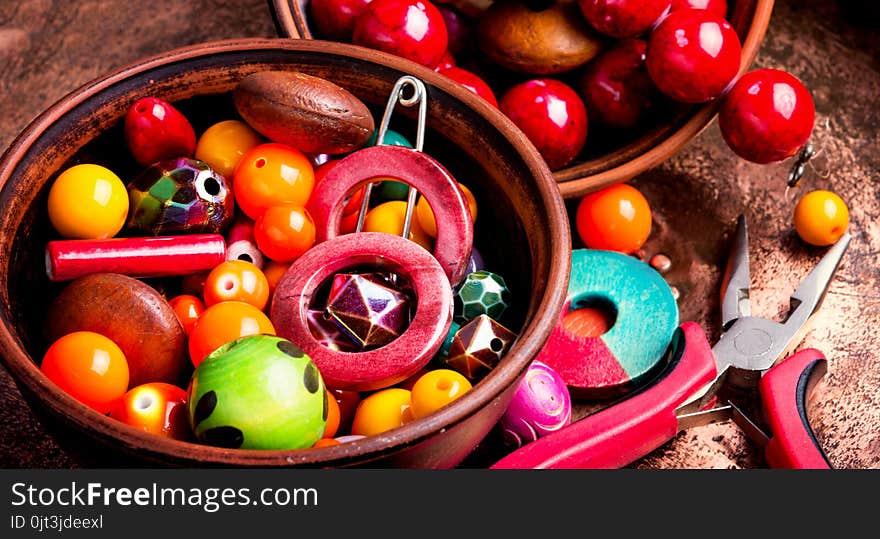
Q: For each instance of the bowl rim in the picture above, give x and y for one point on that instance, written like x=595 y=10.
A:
x=576 y=180
x=150 y=447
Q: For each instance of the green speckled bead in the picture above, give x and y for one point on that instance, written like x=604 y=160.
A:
x=258 y=392
x=482 y=292
x=390 y=190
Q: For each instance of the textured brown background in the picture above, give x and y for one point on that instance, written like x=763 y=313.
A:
x=48 y=48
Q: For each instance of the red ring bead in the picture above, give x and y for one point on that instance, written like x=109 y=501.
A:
x=455 y=237
x=389 y=364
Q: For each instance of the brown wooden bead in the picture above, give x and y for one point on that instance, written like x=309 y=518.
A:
x=309 y=113
x=130 y=313
x=545 y=42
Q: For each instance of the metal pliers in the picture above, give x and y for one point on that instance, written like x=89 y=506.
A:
x=700 y=383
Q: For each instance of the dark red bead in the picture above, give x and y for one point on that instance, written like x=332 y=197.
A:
x=335 y=19
x=412 y=29
x=552 y=116
x=616 y=86
x=446 y=61
x=472 y=82
x=622 y=18
x=693 y=55
x=766 y=116
x=718 y=7
x=155 y=130
x=458 y=27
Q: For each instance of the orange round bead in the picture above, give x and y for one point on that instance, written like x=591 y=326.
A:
x=188 y=309
x=617 y=218
x=272 y=174
x=89 y=367
x=237 y=280
x=224 y=322
x=155 y=407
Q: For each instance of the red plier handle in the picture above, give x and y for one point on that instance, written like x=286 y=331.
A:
x=618 y=435
x=623 y=433
x=784 y=391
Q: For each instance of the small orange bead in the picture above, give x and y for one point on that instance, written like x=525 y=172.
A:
x=274 y=271
x=89 y=367
x=333 y=416
x=617 y=218
x=224 y=322
x=284 y=232
x=426 y=215
x=272 y=174
x=326 y=442
x=237 y=280
x=821 y=218
x=188 y=309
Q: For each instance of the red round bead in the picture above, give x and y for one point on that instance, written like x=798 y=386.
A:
x=616 y=86
x=412 y=29
x=472 y=82
x=693 y=55
x=622 y=18
x=766 y=116
x=335 y=19
x=718 y=7
x=155 y=130
x=552 y=116
x=446 y=61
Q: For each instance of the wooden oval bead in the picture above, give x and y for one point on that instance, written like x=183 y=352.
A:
x=546 y=42
x=130 y=313
x=308 y=113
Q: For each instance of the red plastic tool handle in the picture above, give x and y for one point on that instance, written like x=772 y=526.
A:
x=784 y=392
x=622 y=433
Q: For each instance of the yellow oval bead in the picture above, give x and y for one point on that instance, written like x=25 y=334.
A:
x=821 y=218
x=436 y=389
x=223 y=144
x=389 y=217
x=382 y=411
x=88 y=202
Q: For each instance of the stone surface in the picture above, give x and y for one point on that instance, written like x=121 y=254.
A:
x=51 y=51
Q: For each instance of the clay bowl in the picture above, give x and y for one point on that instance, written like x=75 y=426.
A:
x=608 y=157
x=522 y=228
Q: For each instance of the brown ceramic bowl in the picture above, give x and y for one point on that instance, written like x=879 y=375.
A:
x=613 y=158
x=521 y=227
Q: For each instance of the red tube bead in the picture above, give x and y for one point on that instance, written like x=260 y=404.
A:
x=161 y=256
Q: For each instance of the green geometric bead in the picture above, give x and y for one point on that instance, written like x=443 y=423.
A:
x=482 y=292
x=258 y=392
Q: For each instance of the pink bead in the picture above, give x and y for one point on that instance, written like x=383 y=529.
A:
x=540 y=405
x=693 y=55
x=622 y=18
x=767 y=116
x=240 y=243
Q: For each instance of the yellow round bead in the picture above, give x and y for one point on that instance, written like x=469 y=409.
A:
x=382 y=411
x=436 y=389
x=425 y=214
x=821 y=218
x=389 y=217
x=223 y=144
x=88 y=202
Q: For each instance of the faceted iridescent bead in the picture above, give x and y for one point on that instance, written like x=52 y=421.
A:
x=367 y=309
x=327 y=333
x=482 y=292
x=179 y=196
x=478 y=346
